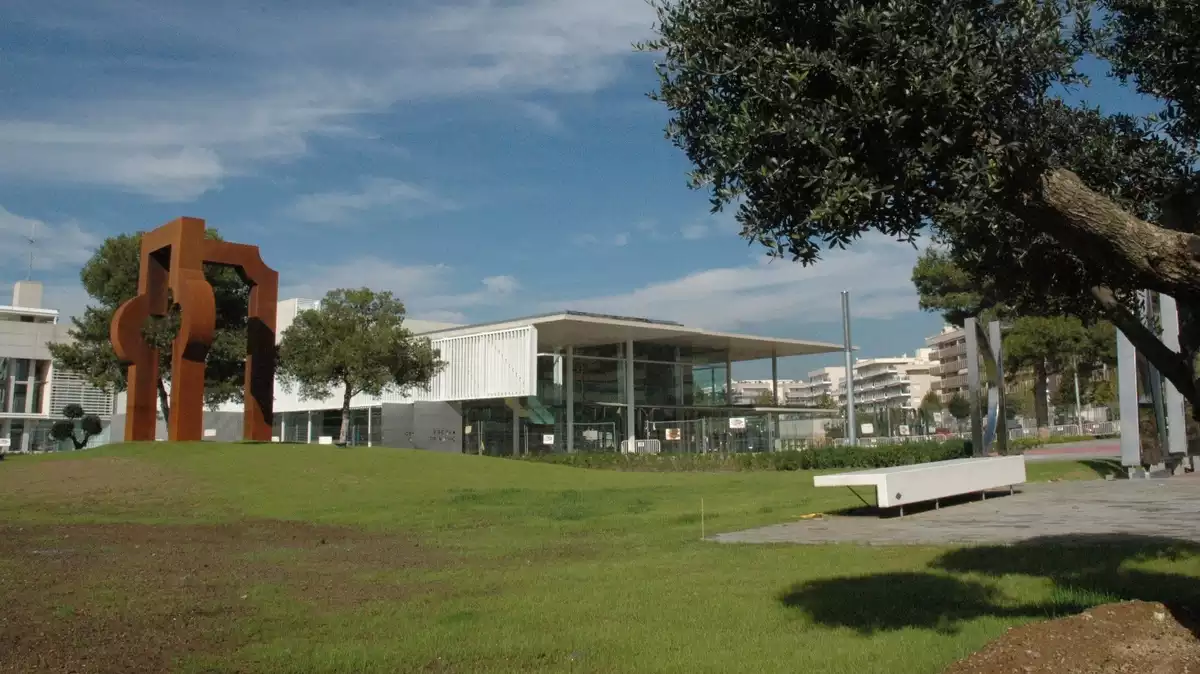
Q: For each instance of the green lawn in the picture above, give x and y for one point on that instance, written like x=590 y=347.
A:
x=392 y=560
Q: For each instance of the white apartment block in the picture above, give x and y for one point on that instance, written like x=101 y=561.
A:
x=819 y=389
x=33 y=391
x=890 y=383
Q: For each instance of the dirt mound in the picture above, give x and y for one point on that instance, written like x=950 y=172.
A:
x=1135 y=637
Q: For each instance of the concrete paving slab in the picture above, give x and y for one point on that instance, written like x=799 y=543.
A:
x=1161 y=507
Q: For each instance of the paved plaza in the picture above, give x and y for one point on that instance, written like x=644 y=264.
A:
x=1160 y=507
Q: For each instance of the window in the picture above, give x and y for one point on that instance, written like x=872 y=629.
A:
x=20 y=398
x=599 y=380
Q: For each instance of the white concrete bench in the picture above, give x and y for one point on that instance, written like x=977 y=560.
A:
x=903 y=485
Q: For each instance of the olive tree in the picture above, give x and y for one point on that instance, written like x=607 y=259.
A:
x=355 y=342
x=823 y=121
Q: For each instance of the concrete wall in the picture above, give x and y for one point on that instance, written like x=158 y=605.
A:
x=434 y=426
x=29 y=340
x=228 y=427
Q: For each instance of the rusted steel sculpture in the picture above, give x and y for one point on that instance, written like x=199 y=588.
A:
x=173 y=258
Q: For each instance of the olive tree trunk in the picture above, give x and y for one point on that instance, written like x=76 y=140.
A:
x=1156 y=259
x=164 y=400
x=1041 y=408
x=344 y=435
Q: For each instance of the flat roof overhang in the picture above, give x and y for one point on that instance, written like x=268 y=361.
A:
x=574 y=329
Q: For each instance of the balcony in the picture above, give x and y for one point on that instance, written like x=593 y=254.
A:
x=950 y=368
x=954 y=351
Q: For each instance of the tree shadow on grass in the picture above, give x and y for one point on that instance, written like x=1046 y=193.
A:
x=1084 y=571
x=1103 y=468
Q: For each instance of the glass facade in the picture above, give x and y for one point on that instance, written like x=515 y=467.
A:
x=679 y=398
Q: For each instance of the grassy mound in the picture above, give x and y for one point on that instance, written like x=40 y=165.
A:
x=296 y=558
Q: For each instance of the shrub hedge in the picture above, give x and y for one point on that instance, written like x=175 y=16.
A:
x=824 y=458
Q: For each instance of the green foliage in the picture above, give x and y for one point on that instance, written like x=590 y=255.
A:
x=823 y=458
x=1154 y=46
x=764 y=399
x=931 y=404
x=64 y=429
x=355 y=342
x=823 y=121
x=110 y=277
x=959 y=407
x=460 y=549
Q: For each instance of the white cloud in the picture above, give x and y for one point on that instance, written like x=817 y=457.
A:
x=876 y=271
x=431 y=292
x=712 y=224
x=619 y=240
x=398 y=199
x=543 y=115
x=56 y=245
x=270 y=79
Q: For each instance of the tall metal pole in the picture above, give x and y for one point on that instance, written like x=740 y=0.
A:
x=1078 y=405
x=851 y=426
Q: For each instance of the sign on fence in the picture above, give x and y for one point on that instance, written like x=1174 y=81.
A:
x=547 y=438
x=673 y=433
x=5 y=443
x=868 y=429
x=737 y=422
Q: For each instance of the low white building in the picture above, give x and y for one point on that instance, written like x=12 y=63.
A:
x=33 y=392
x=818 y=390
x=758 y=392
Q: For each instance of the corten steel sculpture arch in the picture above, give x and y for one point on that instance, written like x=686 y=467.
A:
x=173 y=258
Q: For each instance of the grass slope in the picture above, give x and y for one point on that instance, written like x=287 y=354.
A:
x=317 y=559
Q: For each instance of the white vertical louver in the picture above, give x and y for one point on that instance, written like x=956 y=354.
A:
x=500 y=364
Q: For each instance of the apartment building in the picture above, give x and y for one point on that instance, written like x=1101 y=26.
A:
x=817 y=390
x=891 y=383
x=948 y=352
x=33 y=391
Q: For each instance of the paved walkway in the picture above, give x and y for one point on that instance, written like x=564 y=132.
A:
x=1163 y=507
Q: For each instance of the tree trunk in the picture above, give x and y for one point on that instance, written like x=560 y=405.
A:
x=1155 y=258
x=164 y=401
x=1041 y=409
x=1097 y=228
x=345 y=433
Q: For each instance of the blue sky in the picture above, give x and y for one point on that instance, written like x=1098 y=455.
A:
x=483 y=160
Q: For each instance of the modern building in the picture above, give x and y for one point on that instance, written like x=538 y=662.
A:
x=948 y=351
x=759 y=391
x=818 y=390
x=890 y=383
x=33 y=391
x=556 y=382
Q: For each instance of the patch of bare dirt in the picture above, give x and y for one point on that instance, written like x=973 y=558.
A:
x=136 y=598
x=99 y=477
x=1132 y=637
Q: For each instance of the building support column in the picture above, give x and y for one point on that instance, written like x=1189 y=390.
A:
x=728 y=380
x=774 y=379
x=569 y=367
x=972 y=335
x=308 y=439
x=516 y=431
x=1176 y=430
x=282 y=428
x=774 y=417
x=1127 y=397
x=630 y=421
x=369 y=426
